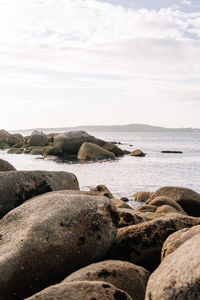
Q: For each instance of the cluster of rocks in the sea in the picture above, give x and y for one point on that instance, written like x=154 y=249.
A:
x=57 y=242
x=71 y=144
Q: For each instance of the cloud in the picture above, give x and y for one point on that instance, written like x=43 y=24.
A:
x=97 y=50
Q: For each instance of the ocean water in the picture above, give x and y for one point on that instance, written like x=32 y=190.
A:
x=127 y=175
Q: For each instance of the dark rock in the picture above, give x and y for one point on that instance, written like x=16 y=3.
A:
x=38 y=139
x=176 y=152
x=50 y=150
x=141 y=244
x=15 y=151
x=102 y=190
x=124 y=199
x=6 y=166
x=18 y=186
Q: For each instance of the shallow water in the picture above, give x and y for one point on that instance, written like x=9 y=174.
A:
x=126 y=175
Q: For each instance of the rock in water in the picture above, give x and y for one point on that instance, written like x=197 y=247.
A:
x=19 y=186
x=6 y=166
x=87 y=290
x=124 y=275
x=50 y=236
x=71 y=141
x=178 y=276
x=93 y=151
x=38 y=139
x=137 y=152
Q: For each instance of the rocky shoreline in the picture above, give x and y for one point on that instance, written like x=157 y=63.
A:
x=57 y=242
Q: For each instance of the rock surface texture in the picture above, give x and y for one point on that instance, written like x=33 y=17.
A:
x=141 y=244
x=93 y=151
x=6 y=166
x=124 y=275
x=19 y=186
x=50 y=236
x=86 y=290
x=178 y=276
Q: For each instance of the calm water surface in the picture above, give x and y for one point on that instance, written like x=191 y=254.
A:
x=126 y=175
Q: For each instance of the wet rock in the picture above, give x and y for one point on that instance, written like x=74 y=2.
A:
x=50 y=150
x=19 y=186
x=93 y=151
x=102 y=190
x=113 y=148
x=137 y=153
x=87 y=290
x=120 y=204
x=124 y=275
x=175 y=152
x=141 y=196
x=141 y=244
x=15 y=151
x=71 y=141
x=6 y=166
x=37 y=151
x=176 y=239
x=178 y=276
x=188 y=199
x=126 y=152
x=124 y=199
x=49 y=237
x=38 y=138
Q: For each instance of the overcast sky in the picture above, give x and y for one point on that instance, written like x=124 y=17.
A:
x=78 y=62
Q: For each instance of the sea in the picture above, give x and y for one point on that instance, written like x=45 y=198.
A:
x=126 y=175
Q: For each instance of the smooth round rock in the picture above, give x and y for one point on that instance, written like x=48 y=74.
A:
x=6 y=166
x=92 y=151
x=124 y=275
x=50 y=236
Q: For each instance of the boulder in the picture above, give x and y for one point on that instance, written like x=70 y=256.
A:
x=178 y=276
x=37 y=150
x=50 y=150
x=147 y=208
x=50 y=236
x=166 y=201
x=15 y=151
x=167 y=209
x=87 y=290
x=141 y=244
x=120 y=204
x=125 y=199
x=38 y=138
x=188 y=199
x=113 y=148
x=71 y=141
x=176 y=239
x=93 y=151
x=7 y=139
x=137 y=153
x=124 y=275
x=141 y=196
x=19 y=137
x=129 y=217
x=19 y=186
x=102 y=190
x=6 y=166
x=18 y=145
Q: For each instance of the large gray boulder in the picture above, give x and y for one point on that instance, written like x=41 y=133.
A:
x=141 y=244
x=92 y=151
x=178 y=276
x=7 y=139
x=188 y=199
x=6 y=166
x=19 y=186
x=38 y=138
x=87 y=290
x=124 y=275
x=71 y=141
x=49 y=237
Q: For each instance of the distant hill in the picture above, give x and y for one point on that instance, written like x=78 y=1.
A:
x=121 y=128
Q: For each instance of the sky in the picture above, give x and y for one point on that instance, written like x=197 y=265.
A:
x=94 y=62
